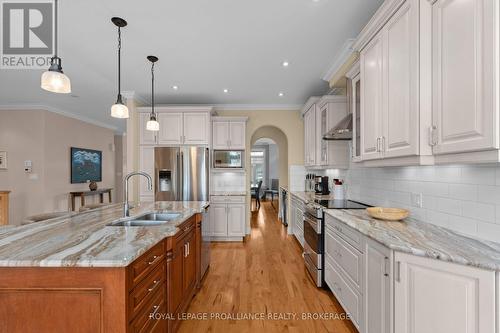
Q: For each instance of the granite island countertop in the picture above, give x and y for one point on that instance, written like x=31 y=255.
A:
x=423 y=239
x=85 y=240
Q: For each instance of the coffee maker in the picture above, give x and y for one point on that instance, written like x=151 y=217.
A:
x=321 y=185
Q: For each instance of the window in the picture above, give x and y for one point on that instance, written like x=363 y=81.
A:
x=258 y=161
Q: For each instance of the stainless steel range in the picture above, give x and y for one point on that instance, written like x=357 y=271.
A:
x=314 y=234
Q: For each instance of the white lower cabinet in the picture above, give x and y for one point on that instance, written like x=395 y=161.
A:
x=297 y=220
x=377 y=288
x=393 y=292
x=436 y=296
x=227 y=217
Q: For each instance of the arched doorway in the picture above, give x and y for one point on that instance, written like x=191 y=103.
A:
x=269 y=160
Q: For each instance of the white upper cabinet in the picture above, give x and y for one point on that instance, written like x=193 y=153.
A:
x=196 y=127
x=332 y=109
x=371 y=99
x=310 y=136
x=146 y=137
x=465 y=75
x=170 y=132
x=436 y=296
x=400 y=88
x=220 y=133
x=237 y=134
x=229 y=133
x=178 y=126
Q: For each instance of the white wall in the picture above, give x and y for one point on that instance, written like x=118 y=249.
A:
x=45 y=138
x=462 y=198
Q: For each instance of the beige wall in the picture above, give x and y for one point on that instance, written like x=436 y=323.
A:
x=45 y=138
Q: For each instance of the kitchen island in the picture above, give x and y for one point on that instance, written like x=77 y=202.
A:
x=80 y=274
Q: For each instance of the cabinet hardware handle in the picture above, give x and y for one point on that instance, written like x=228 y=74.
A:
x=188 y=248
x=152 y=260
x=386 y=260
x=185 y=250
x=153 y=287
x=432 y=136
x=398 y=271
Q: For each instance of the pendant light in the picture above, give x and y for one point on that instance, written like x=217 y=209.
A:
x=54 y=80
x=119 y=110
x=152 y=124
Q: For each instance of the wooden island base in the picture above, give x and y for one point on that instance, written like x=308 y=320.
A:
x=162 y=281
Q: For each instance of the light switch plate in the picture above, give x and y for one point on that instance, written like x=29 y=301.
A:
x=3 y=160
x=416 y=200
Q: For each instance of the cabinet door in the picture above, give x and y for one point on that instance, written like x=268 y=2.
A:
x=196 y=128
x=437 y=296
x=189 y=277
x=356 y=118
x=401 y=78
x=377 y=290
x=176 y=276
x=371 y=99
x=309 y=136
x=146 y=137
x=146 y=164
x=218 y=218
x=237 y=135
x=322 y=126
x=220 y=135
x=236 y=220
x=170 y=128
x=465 y=84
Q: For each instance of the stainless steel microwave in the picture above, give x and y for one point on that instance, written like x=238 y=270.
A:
x=229 y=159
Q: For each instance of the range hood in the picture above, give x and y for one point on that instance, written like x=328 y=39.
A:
x=341 y=131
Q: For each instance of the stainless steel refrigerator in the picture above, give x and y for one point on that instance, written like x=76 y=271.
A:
x=181 y=173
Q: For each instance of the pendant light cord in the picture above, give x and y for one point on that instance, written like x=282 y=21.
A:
x=119 y=60
x=55 y=28
x=153 y=89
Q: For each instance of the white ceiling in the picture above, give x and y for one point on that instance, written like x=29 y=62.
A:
x=204 y=46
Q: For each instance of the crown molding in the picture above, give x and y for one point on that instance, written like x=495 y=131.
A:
x=378 y=20
x=340 y=58
x=257 y=107
x=310 y=102
x=42 y=107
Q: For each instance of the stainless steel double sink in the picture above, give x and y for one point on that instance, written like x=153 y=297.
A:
x=146 y=220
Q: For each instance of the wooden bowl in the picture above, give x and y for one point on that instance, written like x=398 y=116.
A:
x=388 y=214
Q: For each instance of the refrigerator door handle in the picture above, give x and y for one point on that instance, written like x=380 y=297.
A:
x=181 y=178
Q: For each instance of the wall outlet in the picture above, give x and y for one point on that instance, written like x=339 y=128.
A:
x=416 y=200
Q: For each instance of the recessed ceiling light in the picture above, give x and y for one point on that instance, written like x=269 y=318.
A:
x=285 y=63
x=281 y=94
x=175 y=87
x=225 y=91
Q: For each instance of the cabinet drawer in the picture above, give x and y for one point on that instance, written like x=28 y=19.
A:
x=142 y=266
x=186 y=227
x=346 y=256
x=148 y=287
x=218 y=199
x=145 y=320
x=236 y=199
x=349 y=298
x=350 y=235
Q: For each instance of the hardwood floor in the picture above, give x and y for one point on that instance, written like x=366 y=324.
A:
x=265 y=274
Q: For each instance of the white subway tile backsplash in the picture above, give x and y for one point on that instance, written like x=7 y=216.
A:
x=462 y=198
x=478 y=175
x=488 y=194
x=450 y=206
x=479 y=211
x=463 y=191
